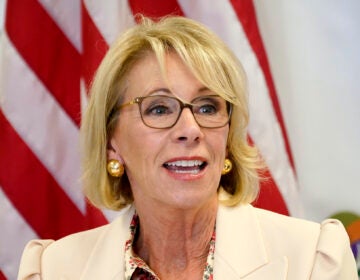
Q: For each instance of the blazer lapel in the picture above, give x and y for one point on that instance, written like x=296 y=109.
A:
x=107 y=259
x=240 y=251
x=276 y=269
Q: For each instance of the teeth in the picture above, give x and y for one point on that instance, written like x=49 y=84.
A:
x=196 y=171
x=185 y=163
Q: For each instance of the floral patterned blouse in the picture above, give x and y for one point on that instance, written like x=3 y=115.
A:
x=137 y=269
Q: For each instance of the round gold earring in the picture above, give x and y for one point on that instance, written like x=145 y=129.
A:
x=227 y=167
x=115 y=168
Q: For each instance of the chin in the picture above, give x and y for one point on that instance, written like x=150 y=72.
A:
x=192 y=201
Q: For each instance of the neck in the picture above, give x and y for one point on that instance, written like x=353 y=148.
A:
x=176 y=241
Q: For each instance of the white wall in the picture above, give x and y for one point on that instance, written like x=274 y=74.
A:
x=314 y=53
x=2 y=10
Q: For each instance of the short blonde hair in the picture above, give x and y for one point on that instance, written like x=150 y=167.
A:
x=212 y=63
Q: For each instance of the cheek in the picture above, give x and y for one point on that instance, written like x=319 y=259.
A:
x=218 y=146
x=138 y=144
x=220 y=140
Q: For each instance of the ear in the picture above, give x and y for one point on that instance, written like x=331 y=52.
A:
x=112 y=151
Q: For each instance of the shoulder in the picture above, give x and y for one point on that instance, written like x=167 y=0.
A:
x=279 y=234
x=276 y=224
x=74 y=245
x=40 y=256
x=313 y=250
x=289 y=231
x=268 y=222
x=334 y=258
x=69 y=254
x=285 y=227
x=330 y=233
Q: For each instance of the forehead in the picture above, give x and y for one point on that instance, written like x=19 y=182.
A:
x=147 y=76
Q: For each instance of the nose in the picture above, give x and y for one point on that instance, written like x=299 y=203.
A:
x=187 y=129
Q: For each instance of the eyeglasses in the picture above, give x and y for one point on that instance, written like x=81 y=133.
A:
x=161 y=111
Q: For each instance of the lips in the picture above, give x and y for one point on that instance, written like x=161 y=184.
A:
x=185 y=166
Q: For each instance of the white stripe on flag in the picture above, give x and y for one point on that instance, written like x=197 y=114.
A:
x=67 y=16
x=110 y=19
x=48 y=131
x=14 y=235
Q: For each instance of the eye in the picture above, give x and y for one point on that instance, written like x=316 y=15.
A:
x=207 y=105
x=207 y=109
x=157 y=106
x=157 y=110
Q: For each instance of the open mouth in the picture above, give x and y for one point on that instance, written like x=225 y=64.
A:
x=185 y=166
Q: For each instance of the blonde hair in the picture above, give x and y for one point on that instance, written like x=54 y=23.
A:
x=212 y=63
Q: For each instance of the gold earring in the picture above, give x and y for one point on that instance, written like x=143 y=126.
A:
x=227 y=167
x=115 y=168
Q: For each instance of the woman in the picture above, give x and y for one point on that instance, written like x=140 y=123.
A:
x=164 y=140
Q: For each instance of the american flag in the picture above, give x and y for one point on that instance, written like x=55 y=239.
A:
x=49 y=52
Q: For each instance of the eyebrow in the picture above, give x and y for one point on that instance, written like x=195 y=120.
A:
x=162 y=90
x=204 y=89
x=167 y=91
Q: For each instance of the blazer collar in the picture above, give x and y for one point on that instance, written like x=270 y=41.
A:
x=240 y=250
x=107 y=258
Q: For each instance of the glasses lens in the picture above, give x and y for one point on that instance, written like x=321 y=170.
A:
x=159 y=111
x=210 y=111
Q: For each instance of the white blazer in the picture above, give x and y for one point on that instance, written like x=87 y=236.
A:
x=251 y=244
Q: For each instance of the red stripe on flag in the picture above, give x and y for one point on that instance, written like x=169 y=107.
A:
x=270 y=197
x=246 y=13
x=47 y=51
x=151 y=9
x=2 y=276
x=94 y=47
x=94 y=217
x=33 y=191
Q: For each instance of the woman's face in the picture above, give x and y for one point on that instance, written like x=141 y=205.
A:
x=179 y=166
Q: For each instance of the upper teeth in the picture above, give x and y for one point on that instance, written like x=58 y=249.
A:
x=185 y=163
